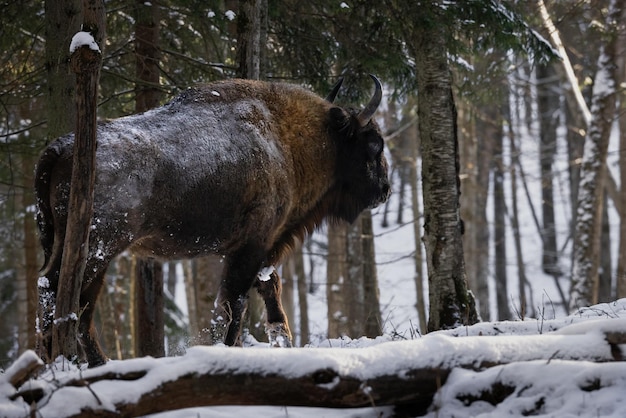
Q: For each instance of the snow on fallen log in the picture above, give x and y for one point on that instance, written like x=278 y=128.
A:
x=22 y=369
x=391 y=373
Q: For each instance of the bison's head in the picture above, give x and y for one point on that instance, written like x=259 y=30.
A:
x=361 y=167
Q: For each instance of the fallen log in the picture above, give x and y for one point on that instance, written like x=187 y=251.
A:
x=405 y=373
x=22 y=369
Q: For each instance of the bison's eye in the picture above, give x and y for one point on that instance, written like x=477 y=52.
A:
x=374 y=147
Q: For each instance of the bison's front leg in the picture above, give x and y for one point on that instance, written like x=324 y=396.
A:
x=227 y=316
x=277 y=328
x=237 y=278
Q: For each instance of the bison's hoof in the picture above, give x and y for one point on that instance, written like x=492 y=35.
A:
x=278 y=335
x=218 y=332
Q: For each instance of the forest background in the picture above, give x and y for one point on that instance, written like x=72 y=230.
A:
x=521 y=138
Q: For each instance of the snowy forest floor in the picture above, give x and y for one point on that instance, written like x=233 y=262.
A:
x=560 y=367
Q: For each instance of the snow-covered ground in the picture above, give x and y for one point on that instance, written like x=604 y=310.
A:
x=555 y=368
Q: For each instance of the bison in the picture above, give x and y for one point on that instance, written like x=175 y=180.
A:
x=238 y=168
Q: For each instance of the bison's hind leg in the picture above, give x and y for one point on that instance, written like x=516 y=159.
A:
x=102 y=250
x=87 y=333
x=277 y=327
x=47 y=285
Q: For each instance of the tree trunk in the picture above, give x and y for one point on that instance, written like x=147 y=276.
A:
x=335 y=277
x=123 y=311
x=451 y=304
x=417 y=232
x=303 y=305
x=171 y=278
x=192 y=304
x=249 y=42
x=106 y=314
x=575 y=145
x=206 y=280
x=521 y=268
x=548 y=108
x=147 y=92
x=371 y=294
x=86 y=63
x=583 y=291
x=605 y=275
x=620 y=288
x=353 y=294
x=149 y=307
x=488 y=127
x=621 y=259
x=499 y=234
x=29 y=303
x=149 y=272
x=468 y=155
x=62 y=21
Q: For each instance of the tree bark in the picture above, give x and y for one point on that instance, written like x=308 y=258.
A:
x=621 y=259
x=548 y=108
x=499 y=234
x=62 y=21
x=583 y=291
x=468 y=154
x=352 y=288
x=249 y=43
x=206 y=280
x=147 y=92
x=521 y=268
x=488 y=127
x=419 y=256
x=123 y=309
x=451 y=304
x=371 y=294
x=335 y=277
x=605 y=271
x=28 y=304
x=86 y=64
x=106 y=313
x=620 y=288
x=171 y=278
x=303 y=305
x=192 y=302
x=150 y=318
x=149 y=325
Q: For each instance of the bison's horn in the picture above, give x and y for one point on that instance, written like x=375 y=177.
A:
x=367 y=113
x=333 y=93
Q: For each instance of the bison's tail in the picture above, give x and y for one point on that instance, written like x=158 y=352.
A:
x=43 y=175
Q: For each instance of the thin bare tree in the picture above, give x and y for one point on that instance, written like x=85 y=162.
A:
x=86 y=61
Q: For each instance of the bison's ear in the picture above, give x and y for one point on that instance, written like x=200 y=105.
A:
x=339 y=119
